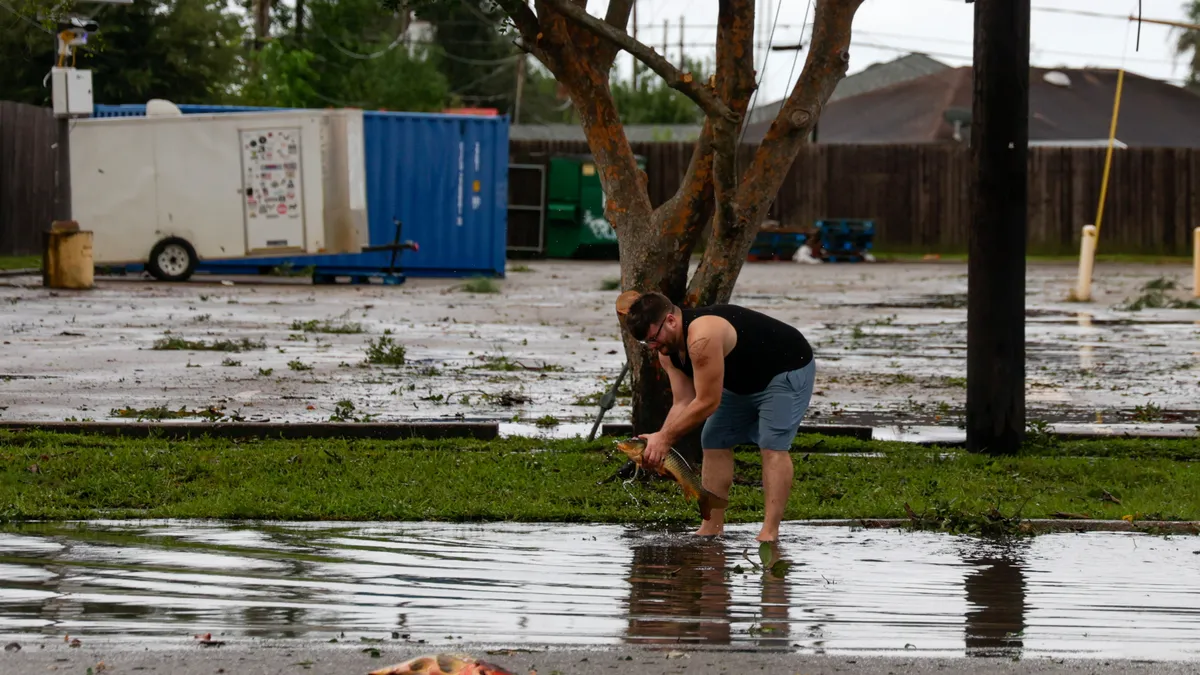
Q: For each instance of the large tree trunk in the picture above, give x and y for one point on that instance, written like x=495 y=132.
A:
x=262 y=23
x=656 y=244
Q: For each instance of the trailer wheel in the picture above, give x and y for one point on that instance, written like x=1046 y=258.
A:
x=172 y=259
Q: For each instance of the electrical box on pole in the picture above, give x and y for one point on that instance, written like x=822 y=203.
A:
x=71 y=91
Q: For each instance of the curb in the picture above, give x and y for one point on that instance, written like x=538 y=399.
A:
x=21 y=272
x=1033 y=525
x=857 y=432
x=484 y=431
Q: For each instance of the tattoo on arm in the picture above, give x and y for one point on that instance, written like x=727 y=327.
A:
x=696 y=350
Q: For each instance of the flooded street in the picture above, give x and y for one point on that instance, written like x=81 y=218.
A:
x=890 y=341
x=868 y=592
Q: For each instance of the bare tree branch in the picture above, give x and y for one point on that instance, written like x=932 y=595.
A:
x=735 y=227
x=680 y=219
x=827 y=62
x=682 y=82
x=617 y=17
x=531 y=31
x=618 y=13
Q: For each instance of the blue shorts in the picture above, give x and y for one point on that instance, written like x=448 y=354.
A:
x=768 y=419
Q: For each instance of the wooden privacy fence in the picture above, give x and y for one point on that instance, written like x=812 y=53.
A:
x=27 y=137
x=919 y=195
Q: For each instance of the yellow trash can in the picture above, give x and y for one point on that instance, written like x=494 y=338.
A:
x=68 y=261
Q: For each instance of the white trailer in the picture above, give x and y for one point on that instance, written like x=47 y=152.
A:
x=168 y=190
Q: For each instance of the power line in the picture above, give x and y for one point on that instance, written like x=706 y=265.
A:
x=26 y=19
x=757 y=87
x=796 y=55
x=930 y=38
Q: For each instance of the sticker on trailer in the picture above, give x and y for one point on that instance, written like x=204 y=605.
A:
x=272 y=186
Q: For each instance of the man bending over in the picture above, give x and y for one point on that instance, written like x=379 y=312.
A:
x=747 y=376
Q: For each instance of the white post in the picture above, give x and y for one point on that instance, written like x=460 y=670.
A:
x=1196 y=262
x=1087 y=255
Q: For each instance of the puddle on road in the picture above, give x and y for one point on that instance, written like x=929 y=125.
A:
x=868 y=591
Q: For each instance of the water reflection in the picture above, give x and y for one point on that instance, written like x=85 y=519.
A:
x=678 y=592
x=687 y=590
x=847 y=591
x=995 y=590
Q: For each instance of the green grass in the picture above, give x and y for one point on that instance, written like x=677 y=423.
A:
x=181 y=344
x=479 y=285
x=385 y=352
x=58 y=476
x=19 y=262
x=315 y=326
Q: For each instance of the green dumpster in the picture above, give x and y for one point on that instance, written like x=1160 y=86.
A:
x=575 y=222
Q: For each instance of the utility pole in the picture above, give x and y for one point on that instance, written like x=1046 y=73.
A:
x=996 y=266
x=682 y=56
x=666 y=40
x=812 y=135
x=62 y=170
x=631 y=56
x=520 y=88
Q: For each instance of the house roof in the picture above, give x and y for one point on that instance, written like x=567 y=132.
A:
x=872 y=77
x=1077 y=107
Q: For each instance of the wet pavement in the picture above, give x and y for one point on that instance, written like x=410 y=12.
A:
x=890 y=340
x=439 y=587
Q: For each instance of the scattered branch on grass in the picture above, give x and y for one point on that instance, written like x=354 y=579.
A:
x=385 y=352
x=947 y=518
x=180 y=344
x=1154 y=296
x=211 y=413
x=478 y=285
x=315 y=326
x=343 y=411
x=505 y=364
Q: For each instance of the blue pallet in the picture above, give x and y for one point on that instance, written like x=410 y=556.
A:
x=421 y=168
x=329 y=276
x=776 y=245
x=846 y=235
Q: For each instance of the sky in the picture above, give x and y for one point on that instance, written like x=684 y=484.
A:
x=943 y=29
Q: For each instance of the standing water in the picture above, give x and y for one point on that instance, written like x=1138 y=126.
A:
x=1112 y=595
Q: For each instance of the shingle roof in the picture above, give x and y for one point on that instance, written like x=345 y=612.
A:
x=872 y=77
x=1153 y=113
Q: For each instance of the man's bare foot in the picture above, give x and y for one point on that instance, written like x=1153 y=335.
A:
x=767 y=536
x=709 y=530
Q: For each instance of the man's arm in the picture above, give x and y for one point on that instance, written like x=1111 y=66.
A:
x=708 y=376
x=682 y=391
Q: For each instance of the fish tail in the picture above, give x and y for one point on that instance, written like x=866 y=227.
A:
x=709 y=501
x=692 y=487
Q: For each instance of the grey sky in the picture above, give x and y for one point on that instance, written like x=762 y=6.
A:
x=885 y=29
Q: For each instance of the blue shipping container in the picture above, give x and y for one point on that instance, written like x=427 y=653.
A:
x=444 y=176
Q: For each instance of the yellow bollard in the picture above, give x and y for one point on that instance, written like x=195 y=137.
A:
x=1087 y=258
x=68 y=262
x=1196 y=262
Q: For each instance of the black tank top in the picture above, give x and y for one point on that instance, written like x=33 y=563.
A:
x=765 y=347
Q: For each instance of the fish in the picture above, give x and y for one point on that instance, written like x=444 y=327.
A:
x=443 y=664
x=678 y=468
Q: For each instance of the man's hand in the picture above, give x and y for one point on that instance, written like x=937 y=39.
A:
x=657 y=447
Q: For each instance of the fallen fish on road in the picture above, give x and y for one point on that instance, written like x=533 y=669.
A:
x=678 y=468
x=443 y=664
